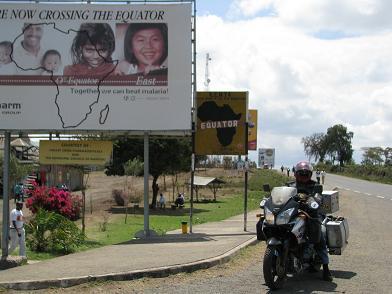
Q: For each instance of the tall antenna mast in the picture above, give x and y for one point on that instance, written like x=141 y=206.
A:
x=207 y=74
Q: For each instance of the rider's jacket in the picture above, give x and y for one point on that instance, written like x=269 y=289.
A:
x=308 y=188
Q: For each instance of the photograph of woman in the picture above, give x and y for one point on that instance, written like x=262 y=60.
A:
x=145 y=50
x=92 y=50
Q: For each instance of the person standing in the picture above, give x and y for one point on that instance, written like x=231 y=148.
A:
x=282 y=168
x=162 y=201
x=318 y=174
x=18 y=191
x=323 y=173
x=288 y=171
x=17 y=231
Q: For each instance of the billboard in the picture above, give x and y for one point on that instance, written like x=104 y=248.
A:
x=95 y=67
x=220 y=125
x=267 y=157
x=252 y=129
x=75 y=152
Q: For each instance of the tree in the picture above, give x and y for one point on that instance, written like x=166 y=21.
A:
x=132 y=168
x=373 y=156
x=167 y=156
x=338 y=142
x=315 y=146
x=17 y=170
x=388 y=156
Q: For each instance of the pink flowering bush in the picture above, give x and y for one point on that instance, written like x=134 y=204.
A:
x=56 y=200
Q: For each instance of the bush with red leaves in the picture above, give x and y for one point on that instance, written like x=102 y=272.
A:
x=56 y=200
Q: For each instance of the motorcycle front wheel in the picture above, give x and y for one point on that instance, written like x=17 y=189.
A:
x=273 y=269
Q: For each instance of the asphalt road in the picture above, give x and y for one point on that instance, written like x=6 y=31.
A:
x=382 y=191
x=364 y=267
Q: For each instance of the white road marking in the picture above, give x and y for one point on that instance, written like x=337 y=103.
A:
x=368 y=194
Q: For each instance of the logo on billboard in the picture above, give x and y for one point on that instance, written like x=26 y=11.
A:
x=11 y=108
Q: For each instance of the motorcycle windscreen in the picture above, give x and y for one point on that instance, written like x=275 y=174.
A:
x=280 y=195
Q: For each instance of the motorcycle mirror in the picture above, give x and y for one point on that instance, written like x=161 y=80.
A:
x=266 y=188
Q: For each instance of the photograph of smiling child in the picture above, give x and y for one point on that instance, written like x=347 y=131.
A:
x=145 y=50
x=92 y=50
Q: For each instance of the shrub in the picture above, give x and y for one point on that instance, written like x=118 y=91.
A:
x=56 y=200
x=52 y=232
x=119 y=197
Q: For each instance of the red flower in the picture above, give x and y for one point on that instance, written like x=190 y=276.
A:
x=53 y=199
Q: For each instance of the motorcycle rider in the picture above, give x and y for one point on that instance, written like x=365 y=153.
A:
x=305 y=185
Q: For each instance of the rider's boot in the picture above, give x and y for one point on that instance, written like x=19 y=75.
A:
x=326 y=273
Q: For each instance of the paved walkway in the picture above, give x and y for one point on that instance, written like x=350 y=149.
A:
x=208 y=245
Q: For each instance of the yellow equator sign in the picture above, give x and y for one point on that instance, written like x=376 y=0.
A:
x=75 y=152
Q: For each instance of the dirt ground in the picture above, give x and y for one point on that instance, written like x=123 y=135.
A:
x=99 y=199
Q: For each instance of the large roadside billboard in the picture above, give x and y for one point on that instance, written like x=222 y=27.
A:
x=95 y=67
x=221 y=118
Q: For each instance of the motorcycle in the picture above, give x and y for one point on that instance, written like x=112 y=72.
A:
x=290 y=226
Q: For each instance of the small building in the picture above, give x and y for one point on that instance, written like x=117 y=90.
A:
x=213 y=183
x=26 y=152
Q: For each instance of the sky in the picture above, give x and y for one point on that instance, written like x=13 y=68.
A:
x=307 y=64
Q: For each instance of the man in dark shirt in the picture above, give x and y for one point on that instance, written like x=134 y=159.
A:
x=305 y=185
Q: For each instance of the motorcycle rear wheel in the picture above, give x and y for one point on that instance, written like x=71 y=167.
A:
x=270 y=270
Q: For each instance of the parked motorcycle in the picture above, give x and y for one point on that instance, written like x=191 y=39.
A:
x=290 y=226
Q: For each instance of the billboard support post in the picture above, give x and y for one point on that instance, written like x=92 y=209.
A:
x=246 y=178
x=193 y=115
x=192 y=177
x=6 y=181
x=146 y=175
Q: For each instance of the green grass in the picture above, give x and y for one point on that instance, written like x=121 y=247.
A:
x=267 y=176
x=163 y=221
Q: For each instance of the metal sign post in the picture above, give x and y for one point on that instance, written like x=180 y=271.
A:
x=246 y=167
x=6 y=208
x=146 y=176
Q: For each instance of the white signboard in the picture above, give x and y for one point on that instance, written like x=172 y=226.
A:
x=95 y=67
x=266 y=157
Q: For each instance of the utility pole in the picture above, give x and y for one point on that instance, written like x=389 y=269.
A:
x=207 y=74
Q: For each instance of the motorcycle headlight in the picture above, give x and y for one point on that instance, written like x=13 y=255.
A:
x=269 y=216
x=284 y=217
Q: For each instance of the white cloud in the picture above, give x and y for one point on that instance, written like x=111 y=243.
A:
x=248 y=7
x=301 y=84
x=350 y=16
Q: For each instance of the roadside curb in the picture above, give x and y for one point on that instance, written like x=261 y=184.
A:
x=158 y=272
